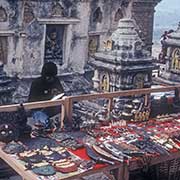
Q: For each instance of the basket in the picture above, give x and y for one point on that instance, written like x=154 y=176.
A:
x=169 y=170
x=176 y=107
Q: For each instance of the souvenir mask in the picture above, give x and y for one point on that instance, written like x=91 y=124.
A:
x=13 y=148
x=44 y=170
x=71 y=143
x=87 y=164
x=54 y=156
x=13 y=125
x=35 y=158
x=8 y=133
x=65 y=166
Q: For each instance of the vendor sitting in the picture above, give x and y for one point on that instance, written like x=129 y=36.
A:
x=45 y=88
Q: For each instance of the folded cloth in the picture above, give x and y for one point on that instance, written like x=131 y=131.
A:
x=40 y=117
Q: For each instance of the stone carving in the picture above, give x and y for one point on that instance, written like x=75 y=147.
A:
x=3 y=50
x=176 y=59
x=108 y=45
x=58 y=10
x=138 y=81
x=28 y=13
x=97 y=15
x=93 y=44
x=54 y=44
x=3 y=15
x=105 y=82
x=138 y=49
x=125 y=3
x=118 y=15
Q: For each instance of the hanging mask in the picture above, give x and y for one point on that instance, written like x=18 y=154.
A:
x=8 y=133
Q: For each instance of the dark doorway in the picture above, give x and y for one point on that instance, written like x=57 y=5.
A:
x=54 y=44
x=3 y=50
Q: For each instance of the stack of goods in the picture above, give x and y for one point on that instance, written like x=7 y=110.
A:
x=127 y=113
x=67 y=141
x=103 y=116
x=13 y=125
x=112 y=143
x=136 y=110
x=48 y=161
x=164 y=117
x=115 y=113
x=141 y=112
x=14 y=147
x=151 y=138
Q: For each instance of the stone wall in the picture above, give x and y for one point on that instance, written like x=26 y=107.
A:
x=25 y=23
x=143 y=13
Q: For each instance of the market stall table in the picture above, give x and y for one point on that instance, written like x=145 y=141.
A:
x=18 y=166
x=121 y=170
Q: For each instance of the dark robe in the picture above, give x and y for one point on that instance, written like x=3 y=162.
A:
x=41 y=91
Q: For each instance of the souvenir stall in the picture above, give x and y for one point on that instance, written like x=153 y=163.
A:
x=123 y=142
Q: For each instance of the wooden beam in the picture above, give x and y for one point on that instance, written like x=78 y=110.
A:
x=68 y=101
x=32 y=105
x=69 y=109
x=62 y=116
x=122 y=93
x=17 y=166
x=110 y=106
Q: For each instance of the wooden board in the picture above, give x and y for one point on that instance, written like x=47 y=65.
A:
x=29 y=175
x=18 y=167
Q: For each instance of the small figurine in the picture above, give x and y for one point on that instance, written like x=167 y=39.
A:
x=116 y=114
x=102 y=115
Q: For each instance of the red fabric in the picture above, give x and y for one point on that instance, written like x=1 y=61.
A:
x=83 y=155
x=170 y=100
x=168 y=127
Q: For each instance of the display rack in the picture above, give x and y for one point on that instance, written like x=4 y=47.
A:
x=66 y=108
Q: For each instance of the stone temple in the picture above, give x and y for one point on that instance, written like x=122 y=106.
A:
x=124 y=64
x=170 y=73
x=66 y=32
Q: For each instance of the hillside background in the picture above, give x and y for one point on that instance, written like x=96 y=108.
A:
x=167 y=16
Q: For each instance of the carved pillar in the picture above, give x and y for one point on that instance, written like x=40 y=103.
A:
x=143 y=13
x=113 y=83
x=96 y=80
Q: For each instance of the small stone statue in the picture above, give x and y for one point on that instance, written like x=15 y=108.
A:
x=102 y=115
x=116 y=114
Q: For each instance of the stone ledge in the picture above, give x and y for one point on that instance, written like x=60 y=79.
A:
x=58 y=21
x=6 y=33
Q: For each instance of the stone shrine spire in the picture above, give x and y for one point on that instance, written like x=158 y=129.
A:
x=171 y=74
x=126 y=41
x=124 y=64
x=128 y=12
x=174 y=37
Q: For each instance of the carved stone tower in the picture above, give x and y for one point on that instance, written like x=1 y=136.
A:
x=172 y=47
x=124 y=64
